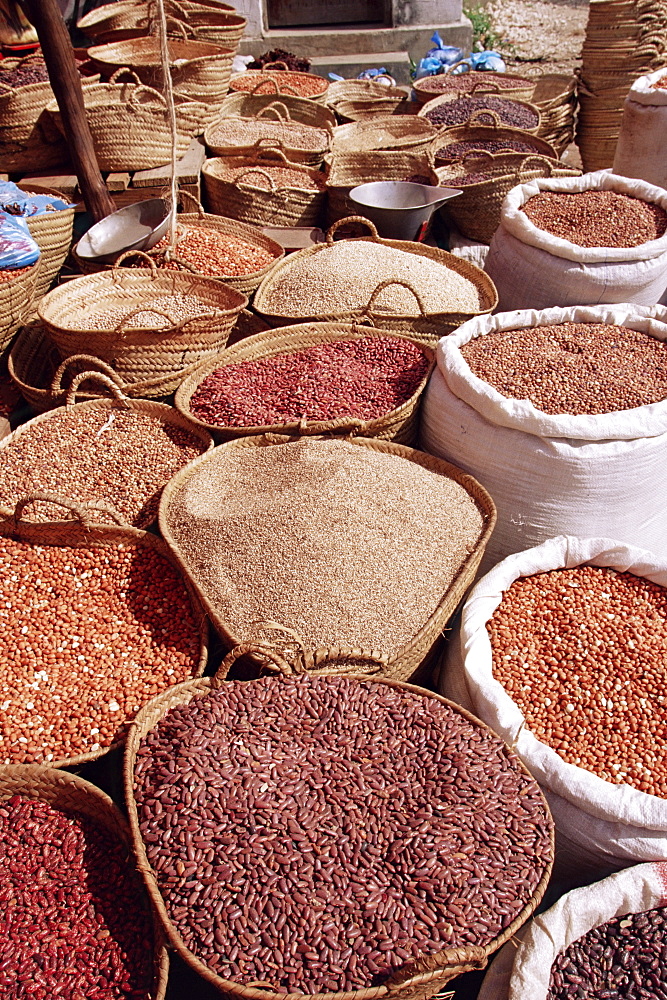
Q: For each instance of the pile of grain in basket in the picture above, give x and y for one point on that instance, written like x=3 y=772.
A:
x=315 y=855
x=345 y=544
x=152 y=314
x=342 y=278
x=122 y=456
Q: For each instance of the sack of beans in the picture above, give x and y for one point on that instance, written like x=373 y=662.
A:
x=604 y=940
x=643 y=135
x=77 y=921
x=313 y=378
x=561 y=651
x=101 y=621
x=562 y=416
x=153 y=329
x=305 y=856
x=580 y=241
x=410 y=287
x=332 y=539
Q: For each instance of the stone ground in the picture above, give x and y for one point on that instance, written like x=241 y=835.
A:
x=540 y=37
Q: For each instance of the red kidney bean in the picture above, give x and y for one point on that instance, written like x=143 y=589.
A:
x=363 y=378
x=74 y=923
x=324 y=804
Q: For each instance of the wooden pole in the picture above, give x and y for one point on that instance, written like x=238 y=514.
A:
x=66 y=84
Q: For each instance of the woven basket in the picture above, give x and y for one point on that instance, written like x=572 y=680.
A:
x=52 y=232
x=299 y=109
x=200 y=219
x=556 y=97
x=437 y=102
x=17 y=295
x=350 y=169
x=83 y=531
x=199 y=70
x=114 y=18
x=474 y=131
x=269 y=125
x=247 y=325
x=403 y=664
x=389 y=132
x=107 y=382
x=400 y=424
x=424 y=327
x=355 y=100
x=255 y=197
x=129 y=123
x=422 y=978
x=268 y=81
x=519 y=87
x=476 y=212
x=71 y=794
x=155 y=360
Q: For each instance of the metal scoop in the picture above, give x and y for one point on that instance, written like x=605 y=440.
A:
x=136 y=227
x=400 y=209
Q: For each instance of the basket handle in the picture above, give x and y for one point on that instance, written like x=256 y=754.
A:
x=119 y=72
x=461 y=62
x=351 y=218
x=136 y=253
x=274 y=151
x=183 y=28
x=484 y=113
x=6 y=88
x=175 y=328
x=195 y=201
x=57 y=381
x=279 y=106
x=115 y=390
x=368 y=311
x=481 y=88
x=183 y=264
x=539 y=161
x=278 y=64
x=81 y=511
x=267 y=653
x=155 y=94
x=286 y=89
x=274 y=110
x=476 y=154
x=255 y=170
x=463 y=959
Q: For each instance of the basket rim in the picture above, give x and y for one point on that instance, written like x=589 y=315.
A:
x=131 y=51
x=421 y=85
x=32 y=774
x=102 y=535
x=213 y=164
x=476 y=492
x=462 y=267
x=284 y=140
x=273 y=341
x=190 y=690
x=462 y=133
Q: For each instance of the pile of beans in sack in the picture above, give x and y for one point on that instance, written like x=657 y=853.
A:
x=304 y=852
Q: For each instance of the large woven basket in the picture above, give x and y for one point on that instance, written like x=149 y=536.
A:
x=476 y=212
x=158 y=360
x=556 y=97
x=52 y=232
x=355 y=100
x=277 y=82
x=347 y=170
x=129 y=123
x=85 y=531
x=124 y=18
x=200 y=219
x=299 y=109
x=72 y=794
x=431 y=106
x=485 y=127
x=400 y=424
x=17 y=294
x=503 y=84
x=107 y=383
x=300 y=143
x=405 y=662
x=384 y=132
x=245 y=188
x=24 y=145
x=422 y=978
x=423 y=327
x=199 y=70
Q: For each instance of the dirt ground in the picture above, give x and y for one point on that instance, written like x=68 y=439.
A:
x=540 y=36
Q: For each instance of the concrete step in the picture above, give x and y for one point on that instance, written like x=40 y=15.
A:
x=397 y=64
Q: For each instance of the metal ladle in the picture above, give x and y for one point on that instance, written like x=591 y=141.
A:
x=135 y=227
x=400 y=209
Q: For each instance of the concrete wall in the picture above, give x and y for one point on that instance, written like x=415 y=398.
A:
x=404 y=14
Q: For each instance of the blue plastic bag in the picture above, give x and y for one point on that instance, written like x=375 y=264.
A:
x=17 y=247
x=27 y=205
x=437 y=59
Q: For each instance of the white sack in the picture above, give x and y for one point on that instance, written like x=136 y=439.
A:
x=603 y=825
x=642 y=142
x=523 y=972
x=534 y=270
x=550 y=475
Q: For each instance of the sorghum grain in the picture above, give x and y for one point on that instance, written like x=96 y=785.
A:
x=334 y=829
x=178 y=307
x=597 y=218
x=582 y=652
